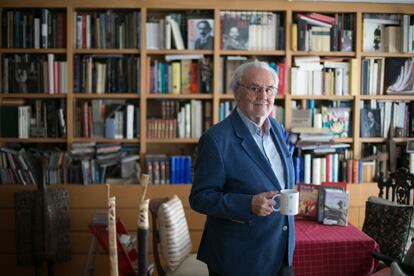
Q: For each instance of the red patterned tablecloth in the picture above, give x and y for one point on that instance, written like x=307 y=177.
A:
x=332 y=250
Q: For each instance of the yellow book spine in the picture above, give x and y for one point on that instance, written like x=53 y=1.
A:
x=176 y=77
x=294 y=37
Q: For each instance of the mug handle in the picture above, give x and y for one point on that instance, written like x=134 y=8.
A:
x=276 y=209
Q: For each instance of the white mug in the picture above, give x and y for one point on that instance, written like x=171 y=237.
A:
x=288 y=202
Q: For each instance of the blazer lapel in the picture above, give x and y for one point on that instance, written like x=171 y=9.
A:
x=284 y=155
x=251 y=148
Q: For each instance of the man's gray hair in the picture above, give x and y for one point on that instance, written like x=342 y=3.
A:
x=239 y=73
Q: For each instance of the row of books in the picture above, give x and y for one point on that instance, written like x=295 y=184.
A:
x=106 y=74
x=192 y=118
x=33 y=28
x=313 y=76
x=34 y=119
x=107 y=118
x=171 y=31
x=95 y=163
x=322 y=32
x=84 y=164
x=327 y=203
x=164 y=169
x=317 y=168
x=181 y=76
x=388 y=33
x=252 y=30
x=383 y=118
x=225 y=108
x=17 y=167
x=114 y=29
x=23 y=73
x=228 y=65
x=390 y=75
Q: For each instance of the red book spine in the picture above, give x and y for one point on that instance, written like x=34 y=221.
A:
x=355 y=169
x=328 y=173
x=194 y=77
x=282 y=78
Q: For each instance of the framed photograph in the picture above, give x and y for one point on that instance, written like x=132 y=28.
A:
x=410 y=146
x=200 y=34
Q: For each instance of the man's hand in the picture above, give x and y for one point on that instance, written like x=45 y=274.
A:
x=262 y=203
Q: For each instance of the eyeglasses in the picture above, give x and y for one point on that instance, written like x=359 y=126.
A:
x=255 y=89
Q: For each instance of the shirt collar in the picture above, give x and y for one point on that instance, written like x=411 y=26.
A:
x=252 y=126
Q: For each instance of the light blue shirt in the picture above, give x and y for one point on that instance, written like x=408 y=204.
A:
x=266 y=145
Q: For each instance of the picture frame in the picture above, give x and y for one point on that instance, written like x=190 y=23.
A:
x=410 y=146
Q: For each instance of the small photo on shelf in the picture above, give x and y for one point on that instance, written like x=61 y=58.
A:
x=370 y=123
x=200 y=34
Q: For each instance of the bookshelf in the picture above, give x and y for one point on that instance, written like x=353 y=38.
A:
x=146 y=101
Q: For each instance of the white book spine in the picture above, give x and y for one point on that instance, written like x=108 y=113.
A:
x=316 y=171
x=187 y=120
x=50 y=61
x=307 y=168
x=130 y=122
x=36 y=33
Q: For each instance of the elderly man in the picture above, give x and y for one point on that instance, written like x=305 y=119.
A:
x=243 y=162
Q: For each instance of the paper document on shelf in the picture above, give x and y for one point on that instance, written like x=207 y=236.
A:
x=405 y=81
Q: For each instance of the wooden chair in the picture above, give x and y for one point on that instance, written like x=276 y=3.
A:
x=390 y=215
x=189 y=266
x=400 y=183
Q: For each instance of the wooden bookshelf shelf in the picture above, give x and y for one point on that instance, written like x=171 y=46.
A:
x=383 y=140
x=180 y=52
x=32 y=51
x=33 y=140
x=323 y=97
x=173 y=141
x=106 y=51
x=343 y=140
x=327 y=54
x=386 y=54
x=373 y=140
x=105 y=140
x=251 y=53
x=387 y=97
x=180 y=96
x=228 y=96
x=33 y=96
x=107 y=96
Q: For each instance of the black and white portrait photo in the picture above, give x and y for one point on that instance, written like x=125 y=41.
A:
x=200 y=34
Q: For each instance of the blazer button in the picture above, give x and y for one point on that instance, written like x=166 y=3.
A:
x=284 y=228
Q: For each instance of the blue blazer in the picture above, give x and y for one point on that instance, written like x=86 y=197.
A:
x=229 y=170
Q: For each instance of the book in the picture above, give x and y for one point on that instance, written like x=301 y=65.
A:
x=336 y=207
x=308 y=201
x=321 y=198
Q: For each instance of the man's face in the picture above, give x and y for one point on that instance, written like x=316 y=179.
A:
x=234 y=32
x=203 y=29
x=258 y=105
